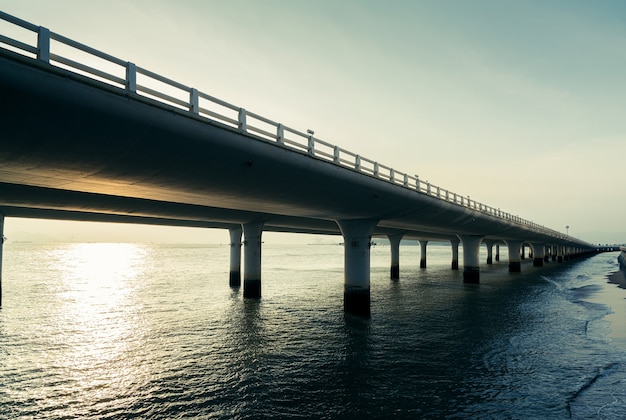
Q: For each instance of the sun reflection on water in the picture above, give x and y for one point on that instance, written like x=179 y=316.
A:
x=98 y=316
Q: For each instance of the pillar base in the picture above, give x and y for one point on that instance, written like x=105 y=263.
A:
x=235 y=279
x=357 y=302
x=395 y=271
x=455 y=264
x=554 y=258
x=422 y=263
x=559 y=258
x=515 y=267
x=252 y=289
x=489 y=260
x=471 y=275
x=538 y=262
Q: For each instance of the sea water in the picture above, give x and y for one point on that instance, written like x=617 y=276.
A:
x=154 y=331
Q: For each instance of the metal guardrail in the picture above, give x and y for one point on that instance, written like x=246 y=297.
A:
x=137 y=80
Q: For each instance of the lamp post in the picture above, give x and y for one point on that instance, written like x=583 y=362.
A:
x=567 y=231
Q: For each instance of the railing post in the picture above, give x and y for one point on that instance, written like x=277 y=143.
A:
x=357 y=163
x=427 y=187
x=311 y=145
x=392 y=176
x=417 y=183
x=336 y=157
x=406 y=180
x=375 y=168
x=242 y=120
x=43 y=44
x=280 y=134
x=194 y=104
x=131 y=77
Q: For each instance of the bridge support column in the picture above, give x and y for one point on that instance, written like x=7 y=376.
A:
x=522 y=252
x=559 y=254
x=489 y=246
x=538 y=250
x=554 y=251
x=252 y=259
x=455 y=253
x=497 y=252
x=515 y=263
x=1 y=249
x=357 y=238
x=471 y=258
x=423 y=253
x=235 y=257
x=394 y=241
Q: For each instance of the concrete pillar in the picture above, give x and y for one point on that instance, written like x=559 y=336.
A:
x=1 y=249
x=547 y=250
x=489 y=246
x=423 y=244
x=515 y=263
x=559 y=252
x=235 y=257
x=497 y=252
x=394 y=241
x=471 y=258
x=554 y=252
x=538 y=250
x=252 y=259
x=522 y=253
x=357 y=239
x=455 y=253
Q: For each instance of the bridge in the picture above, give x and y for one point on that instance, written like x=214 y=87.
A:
x=91 y=137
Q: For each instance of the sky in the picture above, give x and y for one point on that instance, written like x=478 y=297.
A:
x=519 y=104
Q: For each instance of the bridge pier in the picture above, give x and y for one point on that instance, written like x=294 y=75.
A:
x=553 y=252
x=423 y=244
x=252 y=259
x=357 y=238
x=455 y=253
x=235 y=257
x=1 y=249
x=394 y=241
x=515 y=263
x=538 y=250
x=471 y=258
x=497 y=252
x=489 y=246
x=522 y=252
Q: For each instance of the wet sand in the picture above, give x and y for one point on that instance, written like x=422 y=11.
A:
x=615 y=297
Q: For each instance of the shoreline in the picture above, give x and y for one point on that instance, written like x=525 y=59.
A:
x=617 y=303
x=618 y=278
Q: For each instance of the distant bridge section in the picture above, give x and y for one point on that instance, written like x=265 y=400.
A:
x=89 y=136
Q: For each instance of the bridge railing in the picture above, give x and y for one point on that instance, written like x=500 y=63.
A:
x=125 y=75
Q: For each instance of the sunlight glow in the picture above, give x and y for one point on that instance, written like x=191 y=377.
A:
x=98 y=312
